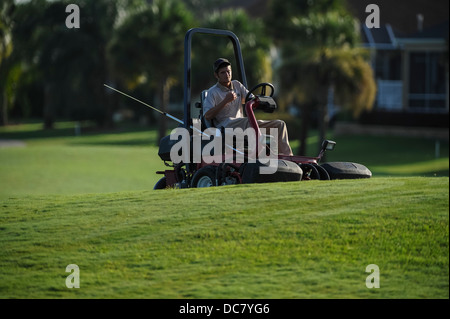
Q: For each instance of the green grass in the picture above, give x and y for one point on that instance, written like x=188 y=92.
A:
x=57 y=162
x=394 y=156
x=126 y=159
x=284 y=240
x=88 y=200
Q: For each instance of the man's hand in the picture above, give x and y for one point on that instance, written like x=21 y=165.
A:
x=230 y=97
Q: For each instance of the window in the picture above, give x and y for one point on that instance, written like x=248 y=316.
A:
x=427 y=81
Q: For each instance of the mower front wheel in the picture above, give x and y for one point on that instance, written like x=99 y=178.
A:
x=315 y=171
x=204 y=177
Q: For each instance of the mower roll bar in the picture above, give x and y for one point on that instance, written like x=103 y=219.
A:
x=187 y=64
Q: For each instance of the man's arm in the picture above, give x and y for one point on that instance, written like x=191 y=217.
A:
x=212 y=112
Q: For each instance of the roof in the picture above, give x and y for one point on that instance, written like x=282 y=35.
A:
x=398 y=19
x=402 y=15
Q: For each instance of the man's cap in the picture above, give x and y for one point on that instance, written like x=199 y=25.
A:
x=221 y=62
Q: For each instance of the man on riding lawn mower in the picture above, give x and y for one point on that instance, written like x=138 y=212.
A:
x=224 y=101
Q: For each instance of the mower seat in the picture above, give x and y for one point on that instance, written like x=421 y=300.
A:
x=205 y=123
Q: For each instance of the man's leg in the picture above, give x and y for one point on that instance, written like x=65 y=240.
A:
x=283 y=139
x=241 y=123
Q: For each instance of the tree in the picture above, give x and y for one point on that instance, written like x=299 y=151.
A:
x=69 y=64
x=255 y=46
x=147 y=49
x=202 y=8
x=319 y=52
x=7 y=69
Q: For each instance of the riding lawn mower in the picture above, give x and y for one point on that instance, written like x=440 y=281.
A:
x=222 y=167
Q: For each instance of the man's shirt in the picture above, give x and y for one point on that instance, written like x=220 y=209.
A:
x=232 y=110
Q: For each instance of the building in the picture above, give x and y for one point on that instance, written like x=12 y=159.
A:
x=409 y=55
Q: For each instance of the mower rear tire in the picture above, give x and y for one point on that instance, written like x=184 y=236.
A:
x=204 y=177
x=161 y=184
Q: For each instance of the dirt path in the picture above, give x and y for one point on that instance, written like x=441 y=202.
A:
x=11 y=143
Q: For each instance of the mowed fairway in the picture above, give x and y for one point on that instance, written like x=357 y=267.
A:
x=88 y=201
x=284 y=240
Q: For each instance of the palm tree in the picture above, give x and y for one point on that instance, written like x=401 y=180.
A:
x=147 y=49
x=328 y=59
x=345 y=71
x=319 y=52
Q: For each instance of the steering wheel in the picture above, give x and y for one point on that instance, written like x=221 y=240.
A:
x=264 y=85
